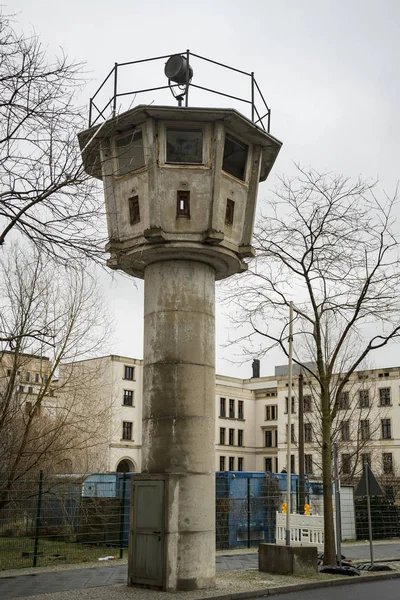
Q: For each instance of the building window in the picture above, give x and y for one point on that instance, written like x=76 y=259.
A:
x=30 y=390
x=222 y=463
x=363 y=398
x=344 y=401
x=231 y=463
x=384 y=396
x=231 y=408
x=222 y=435
x=268 y=438
x=240 y=410
x=230 y=209
x=184 y=146
x=276 y=465
x=129 y=151
x=28 y=376
x=240 y=438
x=128 y=398
x=222 y=407
x=183 y=203
x=292 y=463
x=271 y=413
x=240 y=463
x=366 y=458
x=231 y=438
x=308 y=437
x=268 y=464
x=387 y=459
x=36 y=377
x=21 y=389
x=308 y=464
x=386 y=429
x=134 y=210
x=129 y=373
x=364 y=429
x=292 y=434
x=8 y=372
x=307 y=404
x=286 y=405
x=235 y=158
x=28 y=408
x=346 y=464
x=127 y=430
x=345 y=431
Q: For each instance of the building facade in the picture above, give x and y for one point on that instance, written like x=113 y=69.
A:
x=251 y=420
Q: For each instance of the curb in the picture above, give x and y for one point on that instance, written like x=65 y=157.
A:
x=287 y=589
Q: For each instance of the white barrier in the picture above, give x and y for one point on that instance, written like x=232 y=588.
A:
x=304 y=531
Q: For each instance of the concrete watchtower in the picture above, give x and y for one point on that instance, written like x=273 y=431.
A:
x=180 y=186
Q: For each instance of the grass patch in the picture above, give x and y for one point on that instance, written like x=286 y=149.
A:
x=51 y=552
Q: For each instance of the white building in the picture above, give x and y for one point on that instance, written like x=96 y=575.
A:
x=251 y=419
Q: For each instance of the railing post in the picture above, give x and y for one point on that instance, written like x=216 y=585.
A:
x=90 y=111
x=122 y=518
x=187 y=78
x=114 y=110
x=38 y=511
x=252 y=96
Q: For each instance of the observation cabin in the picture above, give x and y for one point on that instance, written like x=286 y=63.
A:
x=180 y=182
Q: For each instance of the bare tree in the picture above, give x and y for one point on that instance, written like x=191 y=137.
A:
x=44 y=424
x=327 y=244
x=45 y=194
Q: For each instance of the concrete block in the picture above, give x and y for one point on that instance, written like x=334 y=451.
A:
x=286 y=560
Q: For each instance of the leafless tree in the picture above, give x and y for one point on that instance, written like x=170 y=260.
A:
x=45 y=194
x=45 y=424
x=329 y=245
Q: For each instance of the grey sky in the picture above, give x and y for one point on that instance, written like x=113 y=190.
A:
x=328 y=69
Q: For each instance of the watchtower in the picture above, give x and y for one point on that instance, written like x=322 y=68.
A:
x=180 y=187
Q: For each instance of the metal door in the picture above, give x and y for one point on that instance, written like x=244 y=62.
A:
x=147 y=533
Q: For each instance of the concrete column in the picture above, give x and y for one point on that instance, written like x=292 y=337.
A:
x=179 y=412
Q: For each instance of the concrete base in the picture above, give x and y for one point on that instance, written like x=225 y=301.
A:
x=284 y=560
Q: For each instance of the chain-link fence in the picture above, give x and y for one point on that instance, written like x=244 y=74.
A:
x=62 y=518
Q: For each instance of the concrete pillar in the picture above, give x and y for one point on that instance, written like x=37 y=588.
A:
x=179 y=411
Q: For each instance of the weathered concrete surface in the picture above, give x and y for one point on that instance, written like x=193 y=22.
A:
x=178 y=412
x=286 y=560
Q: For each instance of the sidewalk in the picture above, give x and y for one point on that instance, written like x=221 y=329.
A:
x=234 y=570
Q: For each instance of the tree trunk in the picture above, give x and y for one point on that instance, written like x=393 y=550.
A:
x=329 y=532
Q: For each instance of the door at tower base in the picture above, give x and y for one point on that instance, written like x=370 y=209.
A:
x=147 y=533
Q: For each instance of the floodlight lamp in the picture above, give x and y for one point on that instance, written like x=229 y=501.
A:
x=178 y=70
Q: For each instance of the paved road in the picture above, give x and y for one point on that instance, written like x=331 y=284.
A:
x=57 y=581
x=387 y=590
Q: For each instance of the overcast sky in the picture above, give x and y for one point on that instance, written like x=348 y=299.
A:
x=328 y=69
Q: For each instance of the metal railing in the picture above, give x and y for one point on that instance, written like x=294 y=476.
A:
x=259 y=109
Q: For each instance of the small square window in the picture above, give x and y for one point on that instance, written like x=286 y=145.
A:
x=129 y=373
x=229 y=213
x=235 y=158
x=184 y=146
x=134 y=210
x=183 y=204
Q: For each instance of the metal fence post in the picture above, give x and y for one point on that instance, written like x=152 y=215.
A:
x=248 y=512
x=121 y=518
x=38 y=510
